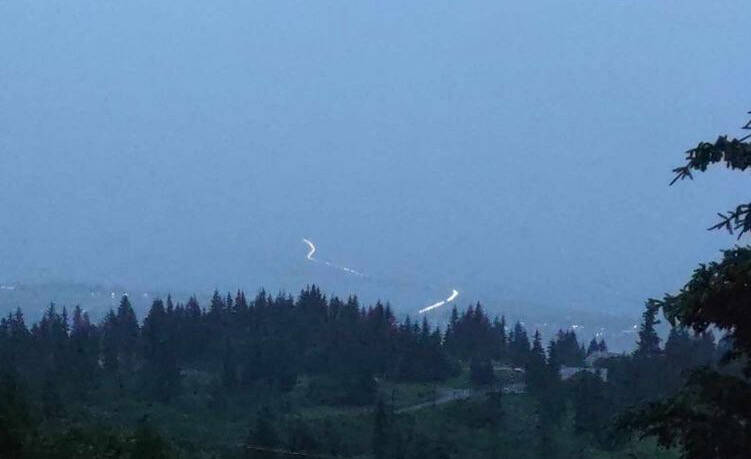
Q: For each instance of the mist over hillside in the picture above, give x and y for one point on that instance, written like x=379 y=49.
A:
x=617 y=329
x=435 y=149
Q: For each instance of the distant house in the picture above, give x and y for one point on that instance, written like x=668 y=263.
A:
x=589 y=366
x=592 y=358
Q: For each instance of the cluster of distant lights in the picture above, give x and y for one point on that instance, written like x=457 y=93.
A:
x=114 y=295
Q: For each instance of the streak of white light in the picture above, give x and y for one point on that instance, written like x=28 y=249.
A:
x=328 y=263
x=431 y=307
x=312 y=249
x=453 y=296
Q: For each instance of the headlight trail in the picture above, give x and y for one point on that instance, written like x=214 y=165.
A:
x=311 y=257
x=431 y=307
x=451 y=298
x=312 y=249
x=312 y=252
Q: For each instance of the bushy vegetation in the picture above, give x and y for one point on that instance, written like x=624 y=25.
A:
x=710 y=415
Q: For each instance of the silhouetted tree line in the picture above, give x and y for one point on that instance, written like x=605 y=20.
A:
x=651 y=372
x=273 y=340
x=710 y=414
x=268 y=339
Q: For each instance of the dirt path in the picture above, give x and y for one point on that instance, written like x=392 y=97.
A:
x=444 y=395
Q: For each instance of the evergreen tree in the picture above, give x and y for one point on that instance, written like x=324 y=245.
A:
x=593 y=347
x=15 y=338
x=537 y=371
x=216 y=309
x=85 y=352
x=194 y=331
x=126 y=334
x=501 y=340
x=450 y=338
x=15 y=417
x=229 y=366
x=240 y=306
x=593 y=408
x=537 y=355
x=519 y=345
x=564 y=350
x=481 y=371
x=162 y=376
x=711 y=414
x=110 y=343
x=649 y=342
x=52 y=404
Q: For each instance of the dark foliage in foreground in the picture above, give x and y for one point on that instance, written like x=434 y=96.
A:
x=710 y=416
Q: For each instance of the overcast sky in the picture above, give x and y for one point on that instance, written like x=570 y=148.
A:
x=507 y=149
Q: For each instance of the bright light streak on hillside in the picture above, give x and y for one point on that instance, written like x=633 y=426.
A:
x=312 y=249
x=312 y=252
x=451 y=298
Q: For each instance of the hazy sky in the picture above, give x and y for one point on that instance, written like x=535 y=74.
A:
x=508 y=149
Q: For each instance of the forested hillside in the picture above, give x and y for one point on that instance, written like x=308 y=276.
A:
x=375 y=230
x=324 y=376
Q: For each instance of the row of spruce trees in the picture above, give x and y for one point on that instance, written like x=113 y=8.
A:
x=269 y=339
x=274 y=340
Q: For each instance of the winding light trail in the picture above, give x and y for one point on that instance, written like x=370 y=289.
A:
x=312 y=252
x=453 y=296
x=312 y=249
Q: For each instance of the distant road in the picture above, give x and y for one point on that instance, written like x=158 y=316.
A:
x=446 y=396
x=452 y=395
